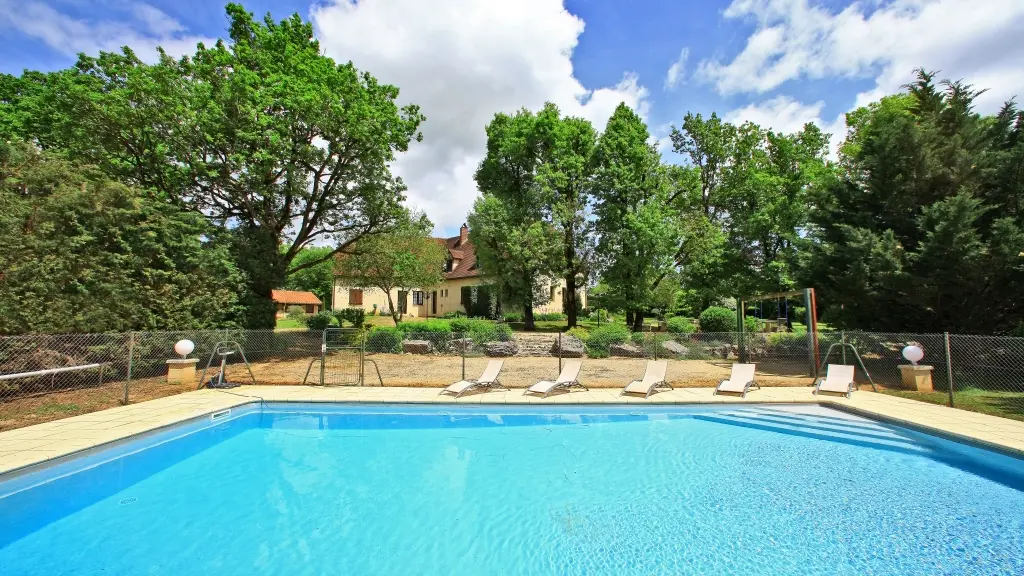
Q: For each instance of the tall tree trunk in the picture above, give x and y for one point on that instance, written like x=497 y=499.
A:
x=528 y=322
x=638 y=321
x=394 y=311
x=629 y=317
x=569 y=297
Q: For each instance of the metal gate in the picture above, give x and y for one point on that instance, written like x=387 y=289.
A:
x=341 y=358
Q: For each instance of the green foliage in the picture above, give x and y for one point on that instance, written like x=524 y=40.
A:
x=549 y=316
x=600 y=339
x=429 y=326
x=354 y=316
x=680 y=325
x=531 y=219
x=244 y=132
x=579 y=332
x=314 y=272
x=637 y=224
x=319 y=321
x=637 y=338
x=515 y=317
x=452 y=315
x=384 y=339
x=923 y=227
x=717 y=319
x=81 y=253
x=401 y=260
x=481 y=301
x=750 y=324
x=297 y=313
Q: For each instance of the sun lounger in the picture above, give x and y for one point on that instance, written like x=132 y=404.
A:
x=565 y=381
x=489 y=379
x=654 y=377
x=740 y=380
x=838 y=378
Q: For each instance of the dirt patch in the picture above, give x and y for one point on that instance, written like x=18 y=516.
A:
x=395 y=370
x=518 y=372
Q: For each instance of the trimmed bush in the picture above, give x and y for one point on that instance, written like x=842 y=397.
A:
x=431 y=326
x=750 y=324
x=717 y=319
x=319 y=321
x=680 y=325
x=637 y=338
x=602 y=338
x=452 y=315
x=354 y=316
x=385 y=339
x=548 y=317
x=460 y=325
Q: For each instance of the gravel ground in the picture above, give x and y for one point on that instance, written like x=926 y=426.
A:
x=395 y=370
x=518 y=372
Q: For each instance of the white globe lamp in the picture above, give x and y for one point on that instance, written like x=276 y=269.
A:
x=913 y=354
x=184 y=347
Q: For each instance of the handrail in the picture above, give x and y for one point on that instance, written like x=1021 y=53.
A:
x=49 y=371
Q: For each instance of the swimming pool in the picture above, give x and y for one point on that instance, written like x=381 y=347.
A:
x=335 y=489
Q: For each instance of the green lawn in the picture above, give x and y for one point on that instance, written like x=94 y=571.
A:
x=996 y=403
x=289 y=324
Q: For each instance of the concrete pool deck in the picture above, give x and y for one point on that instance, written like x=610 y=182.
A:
x=33 y=445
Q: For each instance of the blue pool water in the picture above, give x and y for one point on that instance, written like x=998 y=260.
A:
x=305 y=489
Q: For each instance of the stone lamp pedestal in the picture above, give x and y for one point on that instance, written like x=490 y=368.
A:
x=917 y=377
x=182 y=370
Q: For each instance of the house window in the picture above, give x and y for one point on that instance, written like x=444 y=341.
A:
x=417 y=298
x=355 y=297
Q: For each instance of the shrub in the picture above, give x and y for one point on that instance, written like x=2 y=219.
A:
x=602 y=338
x=750 y=324
x=717 y=319
x=579 y=332
x=452 y=315
x=513 y=316
x=384 y=339
x=354 y=316
x=680 y=325
x=599 y=315
x=319 y=321
x=296 y=313
x=461 y=325
x=637 y=338
x=430 y=326
x=549 y=316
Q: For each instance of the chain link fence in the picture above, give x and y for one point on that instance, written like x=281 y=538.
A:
x=45 y=377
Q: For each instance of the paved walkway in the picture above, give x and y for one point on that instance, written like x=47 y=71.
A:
x=34 y=444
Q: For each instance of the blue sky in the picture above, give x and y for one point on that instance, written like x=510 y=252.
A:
x=779 y=63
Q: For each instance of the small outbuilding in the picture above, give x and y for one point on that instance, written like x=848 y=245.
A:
x=284 y=299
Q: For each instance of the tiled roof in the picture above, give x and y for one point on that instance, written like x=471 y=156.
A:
x=294 y=297
x=466 y=256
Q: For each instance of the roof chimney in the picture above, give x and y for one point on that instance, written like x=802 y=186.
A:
x=463 y=234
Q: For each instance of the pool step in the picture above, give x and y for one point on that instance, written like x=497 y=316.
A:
x=881 y=438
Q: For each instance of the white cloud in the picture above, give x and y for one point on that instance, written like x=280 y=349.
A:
x=144 y=28
x=462 y=61
x=977 y=40
x=786 y=115
x=676 y=70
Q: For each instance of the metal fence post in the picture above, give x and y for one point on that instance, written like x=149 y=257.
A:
x=842 y=336
x=323 y=356
x=462 y=352
x=559 y=352
x=131 y=353
x=949 y=370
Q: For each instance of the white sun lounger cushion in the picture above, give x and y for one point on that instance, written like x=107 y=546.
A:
x=742 y=374
x=653 y=375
